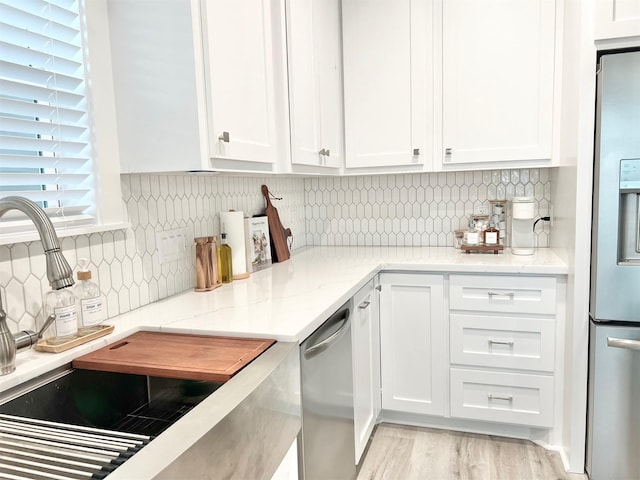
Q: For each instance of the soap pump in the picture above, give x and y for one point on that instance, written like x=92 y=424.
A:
x=92 y=311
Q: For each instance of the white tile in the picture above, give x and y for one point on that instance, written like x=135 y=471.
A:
x=123 y=300
x=136 y=189
x=20 y=268
x=108 y=249
x=145 y=187
x=33 y=296
x=37 y=262
x=127 y=272
x=116 y=276
x=113 y=307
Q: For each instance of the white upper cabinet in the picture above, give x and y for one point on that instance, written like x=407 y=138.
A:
x=240 y=53
x=617 y=19
x=199 y=85
x=388 y=81
x=498 y=62
x=315 y=82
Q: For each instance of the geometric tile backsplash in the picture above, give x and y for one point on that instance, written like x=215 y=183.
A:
x=126 y=263
x=405 y=209
x=413 y=210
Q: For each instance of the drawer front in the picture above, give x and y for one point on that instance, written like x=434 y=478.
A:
x=503 y=293
x=503 y=342
x=502 y=397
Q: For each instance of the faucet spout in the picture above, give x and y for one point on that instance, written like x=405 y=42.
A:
x=59 y=272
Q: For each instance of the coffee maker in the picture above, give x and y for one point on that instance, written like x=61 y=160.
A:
x=522 y=218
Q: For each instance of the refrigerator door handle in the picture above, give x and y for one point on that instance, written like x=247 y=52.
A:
x=623 y=343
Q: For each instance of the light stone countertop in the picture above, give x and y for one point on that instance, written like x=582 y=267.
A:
x=289 y=300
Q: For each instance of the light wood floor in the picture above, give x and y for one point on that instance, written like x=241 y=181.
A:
x=400 y=452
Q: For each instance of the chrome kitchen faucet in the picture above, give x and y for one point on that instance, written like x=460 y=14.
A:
x=59 y=274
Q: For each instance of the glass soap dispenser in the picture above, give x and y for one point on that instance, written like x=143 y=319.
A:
x=91 y=312
x=61 y=303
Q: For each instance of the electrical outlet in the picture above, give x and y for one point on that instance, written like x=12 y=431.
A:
x=171 y=244
x=483 y=210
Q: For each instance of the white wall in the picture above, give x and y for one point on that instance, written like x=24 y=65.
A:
x=572 y=184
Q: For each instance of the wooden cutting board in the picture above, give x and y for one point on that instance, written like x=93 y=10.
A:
x=171 y=355
x=277 y=232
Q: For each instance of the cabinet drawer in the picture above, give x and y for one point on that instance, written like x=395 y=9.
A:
x=502 y=397
x=503 y=293
x=503 y=342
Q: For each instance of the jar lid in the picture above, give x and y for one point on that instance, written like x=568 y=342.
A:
x=84 y=275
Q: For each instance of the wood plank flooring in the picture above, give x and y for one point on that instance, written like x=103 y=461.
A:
x=399 y=452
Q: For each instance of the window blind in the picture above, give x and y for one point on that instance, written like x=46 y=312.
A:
x=45 y=151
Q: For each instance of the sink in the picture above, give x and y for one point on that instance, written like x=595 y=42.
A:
x=108 y=400
x=187 y=425
x=74 y=414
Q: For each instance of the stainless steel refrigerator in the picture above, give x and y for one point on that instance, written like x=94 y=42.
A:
x=613 y=435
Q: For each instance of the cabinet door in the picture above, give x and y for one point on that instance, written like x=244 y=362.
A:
x=617 y=18
x=498 y=78
x=366 y=365
x=239 y=59
x=315 y=82
x=413 y=358
x=387 y=82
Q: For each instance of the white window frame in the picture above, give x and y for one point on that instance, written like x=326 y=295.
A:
x=110 y=212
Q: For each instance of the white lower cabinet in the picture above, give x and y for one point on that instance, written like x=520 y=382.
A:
x=412 y=343
x=471 y=347
x=366 y=364
x=516 y=398
x=502 y=342
x=492 y=341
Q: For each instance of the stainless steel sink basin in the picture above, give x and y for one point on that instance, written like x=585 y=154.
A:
x=250 y=421
x=130 y=403
x=80 y=422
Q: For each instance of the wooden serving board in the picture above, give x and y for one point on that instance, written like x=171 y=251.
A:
x=172 y=355
x=278 y=233
x=482 y=248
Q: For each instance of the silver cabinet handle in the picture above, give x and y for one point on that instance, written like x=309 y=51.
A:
x=364 y=305
x=623 y=343
x=224 y=137
x=496 y=397
x=327 y=152
x=379 y=288
x=322 y=151
x=448 y=151
x=416 y=151
x=494 y=342
x=509 y=295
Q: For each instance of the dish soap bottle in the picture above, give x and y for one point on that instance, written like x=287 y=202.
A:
x=62 y=303
x=224 y=261
x=92 y=312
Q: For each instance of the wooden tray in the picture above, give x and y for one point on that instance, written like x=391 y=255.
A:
x=482 y=248
x=43 y=346
x=172 y=355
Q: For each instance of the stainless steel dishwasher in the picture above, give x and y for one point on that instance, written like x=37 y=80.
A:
x=327 y=438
